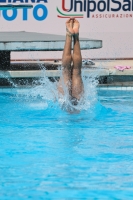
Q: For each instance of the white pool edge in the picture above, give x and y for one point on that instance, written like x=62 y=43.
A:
x=103 y=88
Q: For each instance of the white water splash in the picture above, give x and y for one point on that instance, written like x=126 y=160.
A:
x=47 y=92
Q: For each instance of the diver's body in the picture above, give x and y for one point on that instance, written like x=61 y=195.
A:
x=72 y=63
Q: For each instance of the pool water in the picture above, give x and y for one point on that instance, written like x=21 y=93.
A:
x=47 y=153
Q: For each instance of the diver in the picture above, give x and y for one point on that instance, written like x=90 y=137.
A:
x=72 y=64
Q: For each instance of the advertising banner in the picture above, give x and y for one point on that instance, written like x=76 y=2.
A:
x=107 y=20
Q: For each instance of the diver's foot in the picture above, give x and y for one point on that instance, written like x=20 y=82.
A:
x=76 y=26
x=69 y=27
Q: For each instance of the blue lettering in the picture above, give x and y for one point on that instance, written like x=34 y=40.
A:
x=21 y=1
x=104 y=6
x=75 y=5
x=84 y=5
x=25 y=14
x=45 y=1
x=11 y=18
x=93 y=3
x=127 y=6
x=108 y=5
x=27 y=1
x=116 y=9
x=90 y=6
x=35 y=12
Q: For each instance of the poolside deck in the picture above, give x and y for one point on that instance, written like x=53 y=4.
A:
x=103 y=69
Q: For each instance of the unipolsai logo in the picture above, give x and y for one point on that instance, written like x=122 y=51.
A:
x=69 y=9
x=102 y=8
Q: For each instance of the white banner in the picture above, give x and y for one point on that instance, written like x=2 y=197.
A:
x=108 y=20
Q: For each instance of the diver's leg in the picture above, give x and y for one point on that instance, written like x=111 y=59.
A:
x=77 y=84
x=67 y=59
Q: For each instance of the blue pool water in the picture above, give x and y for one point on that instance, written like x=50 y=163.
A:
x=47 y=153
